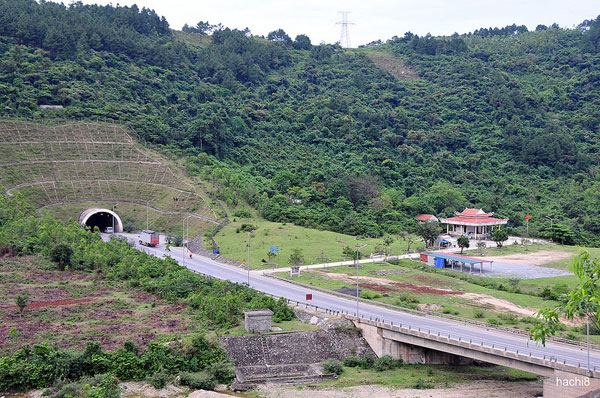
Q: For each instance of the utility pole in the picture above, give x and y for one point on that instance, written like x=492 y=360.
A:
x=344 y=36
x=147 y=216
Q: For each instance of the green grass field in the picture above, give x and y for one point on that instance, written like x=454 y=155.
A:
x=426 y=376
x=514 y=249
x=315 y=244
x=524 y=293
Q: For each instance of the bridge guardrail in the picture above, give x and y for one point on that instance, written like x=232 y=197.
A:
x=558 y=364
x=443 y=316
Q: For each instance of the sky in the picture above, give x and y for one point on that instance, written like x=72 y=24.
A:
x=372 y=19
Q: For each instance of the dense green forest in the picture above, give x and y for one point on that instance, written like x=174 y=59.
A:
x=500 y=118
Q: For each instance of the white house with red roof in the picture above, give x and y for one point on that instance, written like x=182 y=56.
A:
x=474 y=223
x=421 y=218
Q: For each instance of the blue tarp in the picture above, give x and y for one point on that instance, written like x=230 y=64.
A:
x=439 y=262
x=456 y=257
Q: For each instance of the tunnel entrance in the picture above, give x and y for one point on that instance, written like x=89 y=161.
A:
x=102 y=219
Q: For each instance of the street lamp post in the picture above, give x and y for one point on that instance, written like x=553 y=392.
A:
x=549 y=218
x=113 y=218
x=248 y=263
x=183 y=238
x=358 y=247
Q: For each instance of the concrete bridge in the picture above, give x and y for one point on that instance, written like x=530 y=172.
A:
x=562 y=380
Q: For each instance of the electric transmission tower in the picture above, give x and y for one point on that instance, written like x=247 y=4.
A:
x=344 y=36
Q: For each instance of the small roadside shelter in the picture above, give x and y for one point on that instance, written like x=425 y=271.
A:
x=444 y=260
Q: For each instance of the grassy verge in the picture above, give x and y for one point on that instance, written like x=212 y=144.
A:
x=317 y=246
x=286 y=326
x=427 y=376
x=519 y=249
x=447 y=292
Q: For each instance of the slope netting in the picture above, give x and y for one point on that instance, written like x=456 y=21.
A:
x=89 y=161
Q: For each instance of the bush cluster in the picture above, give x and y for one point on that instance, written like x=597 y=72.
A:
x=333 y=366
x=369 y=361
x=43 y=366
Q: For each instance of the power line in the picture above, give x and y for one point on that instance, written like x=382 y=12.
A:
x=345 y=35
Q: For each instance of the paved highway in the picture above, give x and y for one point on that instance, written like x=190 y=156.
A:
x=576 y=356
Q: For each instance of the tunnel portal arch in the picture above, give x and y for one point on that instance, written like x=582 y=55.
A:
x=101 y=218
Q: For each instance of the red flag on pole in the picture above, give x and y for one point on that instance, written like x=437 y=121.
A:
x=527 y=217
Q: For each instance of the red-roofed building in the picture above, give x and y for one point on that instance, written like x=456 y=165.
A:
x=474 y=223
x=421 y=218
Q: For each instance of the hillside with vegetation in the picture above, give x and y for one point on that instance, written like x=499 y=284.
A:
x=354 y=141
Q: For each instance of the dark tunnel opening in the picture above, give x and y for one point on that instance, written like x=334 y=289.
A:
x=101 y=220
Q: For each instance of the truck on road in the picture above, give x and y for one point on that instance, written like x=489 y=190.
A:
x=148 y=238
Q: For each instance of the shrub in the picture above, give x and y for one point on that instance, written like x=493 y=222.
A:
x=242 y=213
x=351 y=362
x=571 y=336
x=159 y=379
x=422 y=385
x=75 y=389
x=61 y=255
x=222 y=372
x=197 y=381
x=511 y=319
x=408 y=298
x=367 y=361
x=478 y=314
x=369 y=295
x=386 y=362
x=333 y=366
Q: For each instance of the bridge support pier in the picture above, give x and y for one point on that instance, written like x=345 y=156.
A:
x=410 y=353
x=561 y=380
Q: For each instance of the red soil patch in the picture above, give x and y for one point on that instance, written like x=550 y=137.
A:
x=377 y=288
x=424 y=289
x=54 y=303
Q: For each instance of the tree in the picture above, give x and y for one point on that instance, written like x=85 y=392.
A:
x=582 y=301
x=61 y=255
x=387 y=241
x=21 y=301
x=351 y=253
x=280 y=36
x=560 y=233
x=296 y=258
x=463 y=242
x=271 y=255
x=429 y=231
x=500 y=236
x=302 y=42
x=481 y=246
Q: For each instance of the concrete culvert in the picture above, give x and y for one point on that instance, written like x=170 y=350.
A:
x=101 y=218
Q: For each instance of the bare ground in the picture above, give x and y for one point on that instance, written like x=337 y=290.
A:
x=384 y=285
x=394 y=65
x=69 y=308
x=480 y=389
x=541 y=257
